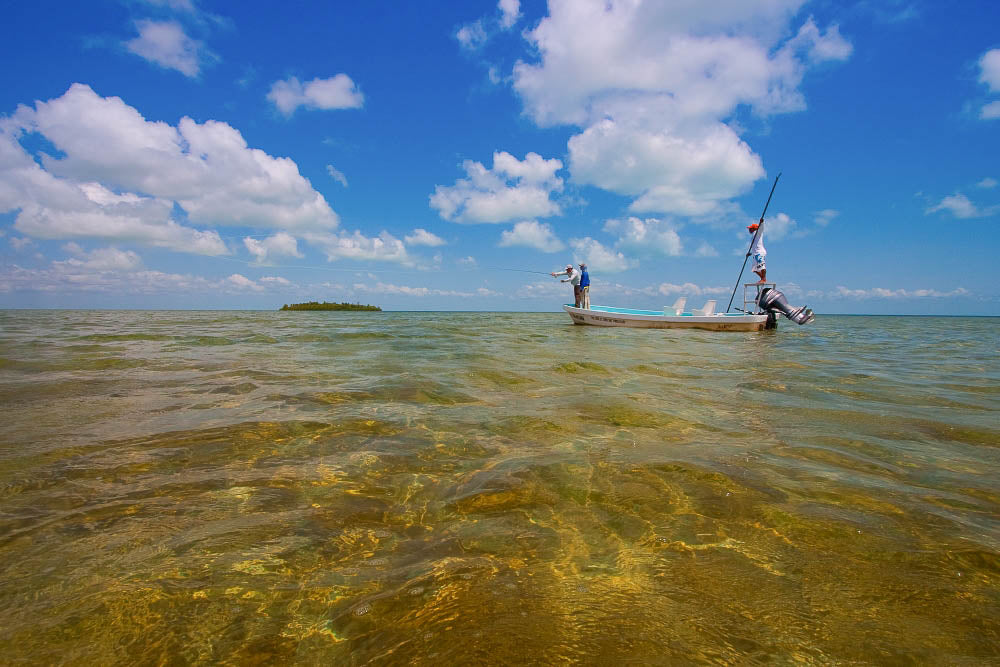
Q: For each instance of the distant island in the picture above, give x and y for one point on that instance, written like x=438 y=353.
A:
x=316 y=305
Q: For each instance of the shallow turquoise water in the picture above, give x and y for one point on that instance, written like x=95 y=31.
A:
x=396 y=488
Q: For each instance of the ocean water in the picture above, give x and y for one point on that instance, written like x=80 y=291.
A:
x=496 y=488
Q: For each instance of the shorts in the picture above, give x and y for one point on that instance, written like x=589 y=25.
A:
x=758 y=262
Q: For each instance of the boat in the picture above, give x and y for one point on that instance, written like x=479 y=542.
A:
x=762 y=302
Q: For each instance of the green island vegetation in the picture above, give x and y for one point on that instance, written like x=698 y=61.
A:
x=316 y=305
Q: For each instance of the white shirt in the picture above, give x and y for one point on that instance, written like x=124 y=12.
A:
x=758 y=244
x=574 y=277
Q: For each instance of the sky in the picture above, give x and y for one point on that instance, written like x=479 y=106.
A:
x=450 y=155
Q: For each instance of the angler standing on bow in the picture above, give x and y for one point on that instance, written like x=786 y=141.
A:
x=572 y=277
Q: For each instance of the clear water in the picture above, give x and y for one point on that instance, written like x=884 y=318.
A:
x=496 y=488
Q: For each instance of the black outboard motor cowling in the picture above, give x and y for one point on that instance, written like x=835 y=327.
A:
x=773 y=301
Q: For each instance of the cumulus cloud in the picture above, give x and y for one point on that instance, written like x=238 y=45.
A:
x=990 y=111
x=684 y=58
x=275 y=280
x=779 y=227
x=119 y=177
x=825 y=217
x=706 y=250
x=280 y=245
x=652 y=83
x=166 y=44
x=113 y=271
x=511 y=189
x=842 y=292
x=686 y=174
x=690 y=289
x=337 y=92
x=989 y=70
x=532 y=234
x=410 y=290
x=510 y=12
x=962 y=207
x=987 y=183
x=989 y=74
x=241 y=282
x=424 y=237
x=384 y=247
x=472 y=35
x=649 y=236
x=598 y=257
x=104 y=259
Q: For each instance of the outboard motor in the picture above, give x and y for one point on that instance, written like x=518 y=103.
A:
x=772 y=301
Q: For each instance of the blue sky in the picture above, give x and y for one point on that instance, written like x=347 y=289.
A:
x=433 y=155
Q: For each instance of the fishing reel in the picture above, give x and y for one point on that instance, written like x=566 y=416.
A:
x=772 y=301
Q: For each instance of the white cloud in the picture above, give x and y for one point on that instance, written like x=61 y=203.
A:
x=818 y=46
x=652 y=83
x=989 y=65
x=649 y=236
x=276 y=280
x=166 y=44
x=176 y=5
x=842 y=292
x=20 y=243
x=690 y=289
x=990 y=111
x=666 y=171
x=706 y=250
x=409 y=290
x=779 y=227
x=510 y=12
x=511 y=189
x=424 y=237
x=280 y=245
x=241 y=282
x=336 y=175
x=139 y=224
x=962 y=207
x=337 y=92
x=467 y=261
x=120 y=177
x=113 y=271
x=532 y=234
x=384 y=247
x=472 y=36
x=699 y=58
x=825 y=217
x=104 y=259
x=987 y=183
x=598 y=258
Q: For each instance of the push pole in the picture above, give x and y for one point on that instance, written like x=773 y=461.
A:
x=760 y=227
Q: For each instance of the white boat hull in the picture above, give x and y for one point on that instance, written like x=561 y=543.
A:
x=607 y=316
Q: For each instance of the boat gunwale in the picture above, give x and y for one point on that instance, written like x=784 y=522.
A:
x=660 y=316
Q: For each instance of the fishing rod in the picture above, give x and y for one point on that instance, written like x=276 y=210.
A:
x=760 y=228
x=500 y=268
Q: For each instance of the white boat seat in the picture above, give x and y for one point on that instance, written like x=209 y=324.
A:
x=677 y=308
x=709 y=309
